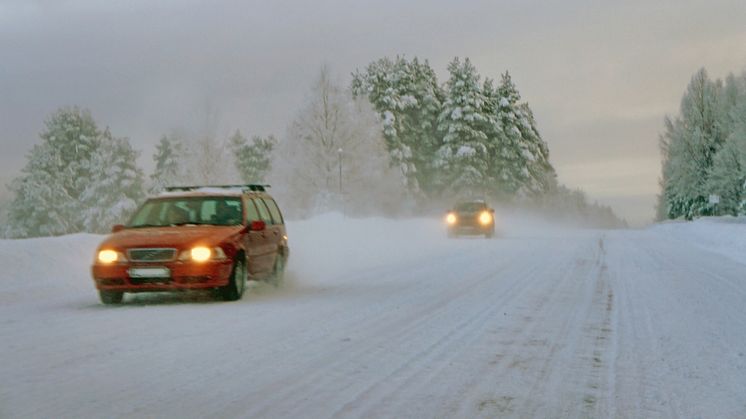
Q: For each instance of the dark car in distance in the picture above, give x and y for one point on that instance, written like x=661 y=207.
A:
x=471 y=218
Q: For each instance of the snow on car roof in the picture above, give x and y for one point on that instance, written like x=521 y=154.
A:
x=202 y=192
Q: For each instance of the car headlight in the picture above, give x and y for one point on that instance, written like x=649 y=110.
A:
x=485 y=218
x=451 y=218
x=107 y=256
x=202 y=254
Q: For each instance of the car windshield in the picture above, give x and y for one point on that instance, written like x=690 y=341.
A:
x=163 y=212
x=470 y=206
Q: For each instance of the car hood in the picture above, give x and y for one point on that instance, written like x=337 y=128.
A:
x=468 y=213
x=178 y=237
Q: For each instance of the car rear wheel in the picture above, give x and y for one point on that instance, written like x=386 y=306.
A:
x=237 y=282
x=111 y=297
x=278 y=272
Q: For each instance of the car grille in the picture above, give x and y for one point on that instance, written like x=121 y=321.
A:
x=468 y=220
x=151 y=254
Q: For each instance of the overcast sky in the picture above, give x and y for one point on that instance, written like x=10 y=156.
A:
x=600 y=76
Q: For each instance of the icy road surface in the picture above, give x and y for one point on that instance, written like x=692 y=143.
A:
x=388 y=318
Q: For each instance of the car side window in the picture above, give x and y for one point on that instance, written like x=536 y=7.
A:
x=251 y=213
x=263 y=212
x=272 y=205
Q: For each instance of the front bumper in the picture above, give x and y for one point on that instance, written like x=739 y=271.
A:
x=184 y=276
x=475 y=228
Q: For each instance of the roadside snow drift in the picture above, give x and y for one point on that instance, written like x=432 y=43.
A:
x=388 y=318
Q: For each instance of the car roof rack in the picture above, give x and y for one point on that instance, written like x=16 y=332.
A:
x=254 y=187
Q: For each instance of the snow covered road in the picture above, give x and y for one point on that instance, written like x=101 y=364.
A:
x=386 y=318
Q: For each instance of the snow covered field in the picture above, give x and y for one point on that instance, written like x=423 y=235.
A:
x=384 y=318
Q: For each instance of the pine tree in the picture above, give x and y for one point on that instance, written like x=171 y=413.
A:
x=727 y=178
x=47 y=194
x=253 y=160
x=116 y=188
x=464 y=156
x=510 y=168
x=168 y=157
x=689 y=144
x=407 y=97
x=542 y=177
x=77 y=179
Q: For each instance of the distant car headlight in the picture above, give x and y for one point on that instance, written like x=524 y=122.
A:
x=485 y=218
x=107 y=256
x=202 y=254
x=451 y=218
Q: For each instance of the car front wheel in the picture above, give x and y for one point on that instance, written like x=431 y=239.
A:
x=111 y=297
x=236 y=284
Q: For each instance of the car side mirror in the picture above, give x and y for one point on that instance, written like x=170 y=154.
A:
x=117 y=228
x=257 y=225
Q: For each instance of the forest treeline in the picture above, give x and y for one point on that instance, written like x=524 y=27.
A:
x=393 y=141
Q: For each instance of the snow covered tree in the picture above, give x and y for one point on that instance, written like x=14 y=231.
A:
x=519 y=157
x=116 y=187
x=408 y=99
x=169 y=170
x=334 y=157
x=464 y=157
x=689 y=145
x=542 y=176
x=509 y=161
x=727 y=177
x=47 y=194
x=77 y=179
x=253 y=159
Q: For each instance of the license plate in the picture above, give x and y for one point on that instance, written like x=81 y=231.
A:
x=149 y=272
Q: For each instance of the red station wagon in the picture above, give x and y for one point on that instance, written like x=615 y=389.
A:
x=195 y=237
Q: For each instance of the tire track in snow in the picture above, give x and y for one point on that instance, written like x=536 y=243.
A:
x=393 y=332
x=424 y=365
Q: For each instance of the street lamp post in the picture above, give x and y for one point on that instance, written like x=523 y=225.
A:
x=341 y=201
x=339 y=153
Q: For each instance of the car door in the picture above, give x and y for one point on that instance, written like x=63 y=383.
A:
x=273 y=231
x=278 y=224
x=258 y=245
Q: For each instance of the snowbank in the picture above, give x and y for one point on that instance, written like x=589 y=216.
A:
x=722 y=235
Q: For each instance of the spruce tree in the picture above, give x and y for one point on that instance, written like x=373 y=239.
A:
x=408 y=99
x=690 y=143
x=116 y=187
x=253 y=160
x=77 y=179
x=168 y=157
x=47 y=195
x=464 y=156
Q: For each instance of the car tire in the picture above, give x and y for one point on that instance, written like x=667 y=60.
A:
x=278 y=272
x=111 y=297
x=236 y=283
